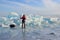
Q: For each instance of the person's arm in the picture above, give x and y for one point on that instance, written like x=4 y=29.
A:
x=21 y=17
x=25 y=17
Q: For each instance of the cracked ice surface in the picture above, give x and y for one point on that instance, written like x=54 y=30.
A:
x=29 y=34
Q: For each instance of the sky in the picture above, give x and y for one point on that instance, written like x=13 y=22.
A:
x=41 y=7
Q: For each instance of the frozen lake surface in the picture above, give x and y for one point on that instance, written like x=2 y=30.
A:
x=29 y=33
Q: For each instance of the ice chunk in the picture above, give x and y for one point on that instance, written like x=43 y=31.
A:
x=13 y=15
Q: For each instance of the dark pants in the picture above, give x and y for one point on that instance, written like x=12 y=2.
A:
x=23 y=23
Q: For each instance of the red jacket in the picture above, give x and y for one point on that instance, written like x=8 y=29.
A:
x=23 y=17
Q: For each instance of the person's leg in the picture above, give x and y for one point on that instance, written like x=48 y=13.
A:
x=24 y=24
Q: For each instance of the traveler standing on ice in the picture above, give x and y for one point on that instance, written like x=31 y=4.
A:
x=23 y=20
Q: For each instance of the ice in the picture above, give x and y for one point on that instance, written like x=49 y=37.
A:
x=29 y=34
x=32 y=20
x=37 y=28
x=13 y=15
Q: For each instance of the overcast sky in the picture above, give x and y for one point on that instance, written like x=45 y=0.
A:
x=42 y=7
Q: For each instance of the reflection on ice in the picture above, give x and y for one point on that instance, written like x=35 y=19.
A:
x=24 y=34
x=29 y=34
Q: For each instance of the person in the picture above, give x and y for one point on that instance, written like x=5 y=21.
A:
x=23 y=20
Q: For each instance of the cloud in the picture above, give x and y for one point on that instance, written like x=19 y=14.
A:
x=27 y=1
x=51 y=8
x=50 y=4
x=19 y=7
x=32 y=1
